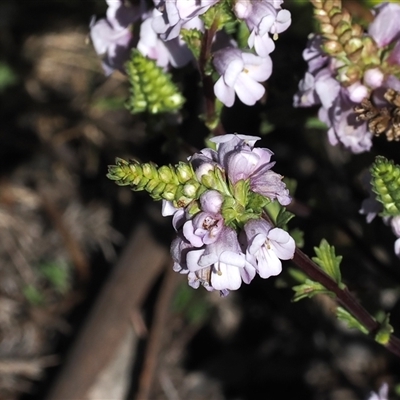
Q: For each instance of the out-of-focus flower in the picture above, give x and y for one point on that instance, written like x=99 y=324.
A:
x=173 y=52
x=173 y=14
x=383 y=393
x=395 y=224
x=241 y=73
x=320 y=86
x=385 y=27
x=262 y=18
x=112 y=37
x=339 y=96
x=266 y=247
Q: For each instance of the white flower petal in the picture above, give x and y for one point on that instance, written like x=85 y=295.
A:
x=225 y=276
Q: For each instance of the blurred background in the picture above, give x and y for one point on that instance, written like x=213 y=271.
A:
x=89 y=307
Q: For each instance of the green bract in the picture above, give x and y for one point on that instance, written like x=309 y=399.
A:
x=386 y=184
x=173 y=183
x=152 y=89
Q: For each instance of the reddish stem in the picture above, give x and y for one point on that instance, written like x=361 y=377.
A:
x=345 y=299
x=207 y=82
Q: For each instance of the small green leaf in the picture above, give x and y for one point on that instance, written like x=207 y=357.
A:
x=220 y=15
x=283 y=217
x=240 y=191
x=351 y=322
x=310 y=289
x=385 y=331
x=328 y=261
x=192 y=38
x=256 y=202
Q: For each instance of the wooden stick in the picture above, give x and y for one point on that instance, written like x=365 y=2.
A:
x=140 y=264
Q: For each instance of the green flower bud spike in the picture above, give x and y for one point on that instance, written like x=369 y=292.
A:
x=386 y=184
x=152 y=89
x=345 y=41
x=174 y=183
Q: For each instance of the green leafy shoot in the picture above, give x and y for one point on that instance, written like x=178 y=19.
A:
x=386 y=184
x=351 y=322
x=152 y=89
x=192 y=38
x=328 y=261
x=309 y=289
x=385 y=330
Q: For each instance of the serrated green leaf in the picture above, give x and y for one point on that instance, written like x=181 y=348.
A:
x=328 y=261
x=309 y=289
x=283 y=217
x=192 y=38
x=350 y=320
x=220 y=15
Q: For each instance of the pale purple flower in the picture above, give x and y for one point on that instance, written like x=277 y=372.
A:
x=262 y=18
x=385 y=27
x=173 y=14
x=167 y=208
x=344 y=127
x=395 y=224
x=373 y=78
x=370 y=206
x=207 y=225
x=112 y=36
x=321 y=87
x=113 y=46
x=383 y=393
x=173 y=52
x=220 y=265
x=241 y=161
x=179 y=250
x=241 y=73
x=266 y=247
x=397 y=247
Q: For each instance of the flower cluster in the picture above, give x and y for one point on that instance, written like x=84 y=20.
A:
x=226 y=241
x=218 y=202
x=341 y=75
x=160 y=38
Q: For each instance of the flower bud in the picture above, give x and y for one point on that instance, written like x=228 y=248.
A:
x=184 y=172
x=211 y=200
x=166 y=174
x=373 y=78
x=190 y=188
